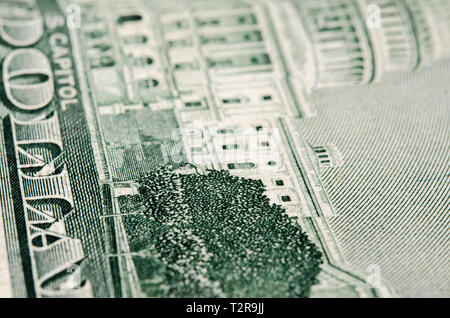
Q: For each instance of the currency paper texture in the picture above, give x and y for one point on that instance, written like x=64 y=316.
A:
x=224 y=148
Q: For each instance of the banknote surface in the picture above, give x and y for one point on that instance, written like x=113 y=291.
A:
x=224 y=148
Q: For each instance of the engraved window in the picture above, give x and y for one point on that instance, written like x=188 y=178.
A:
x=241 y=165
x=141 y=60
x=260 y=59
x=195 y=103
x=186 y=66
x=101 y=48
x=240 y=61
x=147 y=83
x=271 y=163
x=96 y=34
x=253 y=36
x=180 y=42
x=247 y=19
x=233 y=37
x=179 y=25
x=135 y=39
x=229 y=147
x=225 y=131
x=228 y=20
x=231 y=100
x=208 y=22
x=219 y=62
x=129 y=18
x=213 y=39
x=327 y=156
x=102 y=61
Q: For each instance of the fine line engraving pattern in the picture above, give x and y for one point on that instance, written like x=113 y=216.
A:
x=224 y=148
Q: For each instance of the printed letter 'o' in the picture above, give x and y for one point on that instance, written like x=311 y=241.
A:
x=28 y=79
x=19 y=27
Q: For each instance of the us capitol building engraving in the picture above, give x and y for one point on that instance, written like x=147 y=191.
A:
x=229 y=65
